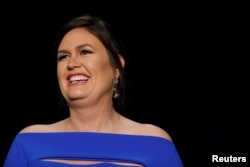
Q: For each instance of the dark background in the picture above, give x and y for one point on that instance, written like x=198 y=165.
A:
x=187 y=63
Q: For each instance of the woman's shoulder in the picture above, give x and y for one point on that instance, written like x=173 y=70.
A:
x=148 y=129
x=42 y=127
x=153 y=130
x=36 y=128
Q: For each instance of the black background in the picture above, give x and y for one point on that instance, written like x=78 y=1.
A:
x=187 y=64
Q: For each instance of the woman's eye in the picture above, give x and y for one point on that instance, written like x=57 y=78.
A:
x=61 y=57
x=84 y=52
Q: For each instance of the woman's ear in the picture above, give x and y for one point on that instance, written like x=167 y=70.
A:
x=122 y=61
x=117 y=72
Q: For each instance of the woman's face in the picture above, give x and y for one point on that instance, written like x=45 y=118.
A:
x=84 y=70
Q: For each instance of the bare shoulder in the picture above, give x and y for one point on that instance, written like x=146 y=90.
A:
x=35 y=128
x=53 y=127
x=153 y=130
x=134 y=127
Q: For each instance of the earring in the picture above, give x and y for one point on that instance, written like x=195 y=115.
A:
x=115 y=81
x=115 y=93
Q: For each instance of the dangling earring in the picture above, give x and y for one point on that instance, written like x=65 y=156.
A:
x=115 y=93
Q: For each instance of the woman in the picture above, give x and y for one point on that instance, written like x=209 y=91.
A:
x=91 y=80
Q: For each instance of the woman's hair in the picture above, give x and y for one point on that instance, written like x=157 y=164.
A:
x=104 y=32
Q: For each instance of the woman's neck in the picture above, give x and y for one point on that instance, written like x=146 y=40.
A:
x=93 y=120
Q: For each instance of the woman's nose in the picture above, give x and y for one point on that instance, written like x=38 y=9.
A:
x=74 y=62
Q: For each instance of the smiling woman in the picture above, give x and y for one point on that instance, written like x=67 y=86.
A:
x=91 y=78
